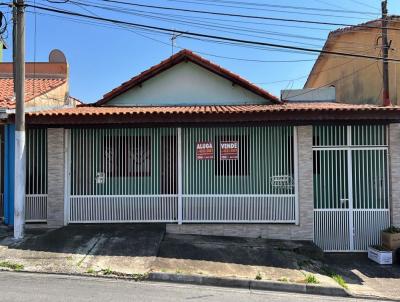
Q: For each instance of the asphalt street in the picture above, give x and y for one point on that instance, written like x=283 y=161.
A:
x=44 y=287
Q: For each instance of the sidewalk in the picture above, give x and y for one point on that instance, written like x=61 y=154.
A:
x=145 y=251
x=367 y=278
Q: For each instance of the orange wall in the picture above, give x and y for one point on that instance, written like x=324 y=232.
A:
x=358 y=80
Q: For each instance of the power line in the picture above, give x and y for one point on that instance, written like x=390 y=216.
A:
x=271 y=8
x=225 y=20
x=364 y=4
x=204 y=53
x=244 y=16
x=221 y=38
x=220 y=27
x=215 y=25
x=315 y=73
x=112 y=25
x=135 y=31
x=259 y=6
x=125 y=10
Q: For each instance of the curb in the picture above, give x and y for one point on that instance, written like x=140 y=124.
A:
x=250 y=284
x=224 y=282
x=219 y=282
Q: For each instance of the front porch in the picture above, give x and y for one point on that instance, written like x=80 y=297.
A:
x=164 y=175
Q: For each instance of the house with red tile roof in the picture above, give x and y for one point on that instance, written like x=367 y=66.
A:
x=46 y=85
x=195 y=146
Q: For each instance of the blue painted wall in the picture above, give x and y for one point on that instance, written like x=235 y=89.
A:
x=9 y=154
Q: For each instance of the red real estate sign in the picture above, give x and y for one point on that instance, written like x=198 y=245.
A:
x=204 y=150
x=229 y=150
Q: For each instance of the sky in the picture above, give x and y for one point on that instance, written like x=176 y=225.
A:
x=102 y=55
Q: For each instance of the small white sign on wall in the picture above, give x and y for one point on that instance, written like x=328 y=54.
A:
x=100 y=177
x=282 y=181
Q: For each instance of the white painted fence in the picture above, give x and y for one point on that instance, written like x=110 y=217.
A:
x=239 y=209
x=109 y=209
x=36 y=207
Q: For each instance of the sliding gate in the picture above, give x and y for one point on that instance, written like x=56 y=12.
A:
x=351 y=186
x=184 y=175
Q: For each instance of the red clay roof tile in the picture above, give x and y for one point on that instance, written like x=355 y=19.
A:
x=34 y=88
x=87 y=111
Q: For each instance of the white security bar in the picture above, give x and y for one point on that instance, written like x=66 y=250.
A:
x=36 y=175
x=107 y=209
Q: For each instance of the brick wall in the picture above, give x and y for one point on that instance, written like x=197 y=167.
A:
x=55 y=169
x=394 y=149
x=304 y=231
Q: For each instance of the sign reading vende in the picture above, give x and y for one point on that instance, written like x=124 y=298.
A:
x=229 y=150
x=204 y=150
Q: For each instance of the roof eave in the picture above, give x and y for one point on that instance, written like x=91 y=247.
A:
x=270 y=117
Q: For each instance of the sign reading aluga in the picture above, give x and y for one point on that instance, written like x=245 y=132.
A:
x=204 y=150
x=229 y=150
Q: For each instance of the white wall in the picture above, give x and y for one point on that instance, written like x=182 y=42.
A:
x=187 y=84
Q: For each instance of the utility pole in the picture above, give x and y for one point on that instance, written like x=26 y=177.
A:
x=385 y=54
x=20 y=160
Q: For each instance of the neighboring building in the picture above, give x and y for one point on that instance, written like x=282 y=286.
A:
x=46 y=86
x=358 y=80
x=192 y=145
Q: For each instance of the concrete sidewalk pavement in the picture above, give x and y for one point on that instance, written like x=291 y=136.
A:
x=78 y=249
x=145 y=251
x=364 y=277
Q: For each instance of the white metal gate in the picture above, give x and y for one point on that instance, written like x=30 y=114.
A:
x=351 y=186
x=161 y=175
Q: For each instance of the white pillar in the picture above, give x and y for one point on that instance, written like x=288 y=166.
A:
x=179 y=133
x=19 y=185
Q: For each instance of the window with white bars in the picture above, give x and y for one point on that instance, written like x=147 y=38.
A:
x=135 y=151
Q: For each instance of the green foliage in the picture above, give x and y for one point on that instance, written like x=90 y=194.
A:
x=11 y=265
x=258 y=276
x=107 y=271
x=139 y=277
x=283 y=279
x=311 y=279
x=380 y=248
x=90 y=271
x=392 y=230
x=339 y=279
